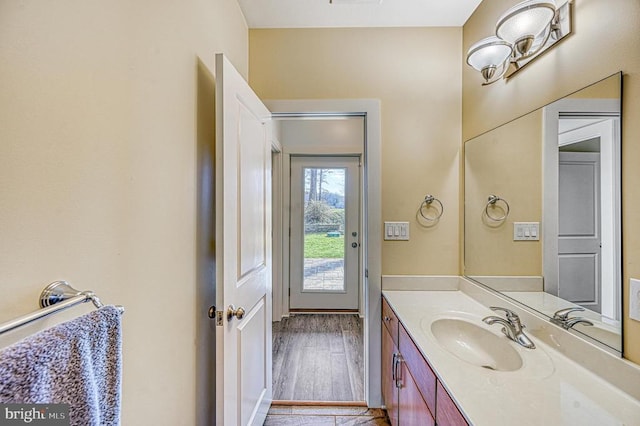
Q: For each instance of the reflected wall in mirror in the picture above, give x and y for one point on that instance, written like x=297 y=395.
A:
x=557 y=167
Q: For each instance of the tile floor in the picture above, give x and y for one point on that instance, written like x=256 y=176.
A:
x=281 y=415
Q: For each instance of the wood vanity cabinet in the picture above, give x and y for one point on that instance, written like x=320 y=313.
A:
x=411 y=392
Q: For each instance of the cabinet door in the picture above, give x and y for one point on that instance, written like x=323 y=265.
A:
x=447 y=413
x=413 y=410
x=389 y=389
x=419 y=367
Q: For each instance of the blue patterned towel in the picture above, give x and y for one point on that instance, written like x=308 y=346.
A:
x=78 y=362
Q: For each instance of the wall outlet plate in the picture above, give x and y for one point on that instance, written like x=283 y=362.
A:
x=634 y=299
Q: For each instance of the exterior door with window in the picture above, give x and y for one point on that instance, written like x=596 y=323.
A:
x=325 y=233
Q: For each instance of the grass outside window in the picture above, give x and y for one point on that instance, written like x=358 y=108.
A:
x=320 y=246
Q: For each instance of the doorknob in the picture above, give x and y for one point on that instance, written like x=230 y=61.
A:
x=354 y=245
x=232 y=311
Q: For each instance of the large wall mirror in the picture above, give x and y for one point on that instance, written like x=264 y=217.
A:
x=542 y=210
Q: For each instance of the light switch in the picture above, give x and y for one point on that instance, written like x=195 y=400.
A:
x=396 y=231
x=526 y=231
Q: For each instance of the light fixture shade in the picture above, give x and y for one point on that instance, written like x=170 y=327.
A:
x=488 y=52
x=526 y=19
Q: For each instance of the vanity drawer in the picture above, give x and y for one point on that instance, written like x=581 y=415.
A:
x=447 y=414
x=390 y=321
x=424 y=377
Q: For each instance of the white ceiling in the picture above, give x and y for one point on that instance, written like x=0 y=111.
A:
x=356 y=13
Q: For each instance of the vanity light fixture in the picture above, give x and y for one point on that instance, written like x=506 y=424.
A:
x=523 y=32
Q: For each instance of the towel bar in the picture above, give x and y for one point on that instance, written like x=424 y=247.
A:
x=55 y=297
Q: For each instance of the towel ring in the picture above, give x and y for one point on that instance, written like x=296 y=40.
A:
x=427 y=203
x=493 y=199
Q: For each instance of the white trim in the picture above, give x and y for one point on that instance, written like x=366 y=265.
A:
x=372 y=211
x=277 y=229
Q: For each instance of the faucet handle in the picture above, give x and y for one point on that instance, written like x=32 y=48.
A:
x=511 y=316
x=563 y=314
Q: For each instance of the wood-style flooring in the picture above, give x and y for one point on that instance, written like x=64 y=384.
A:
x=318 y=357
x=325 y=416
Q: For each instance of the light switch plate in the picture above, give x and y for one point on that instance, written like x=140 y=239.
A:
x=398 y=231
x=526 y=231
x=634 y=299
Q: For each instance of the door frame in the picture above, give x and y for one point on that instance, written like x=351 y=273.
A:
x=371 y=197
x=550 y=124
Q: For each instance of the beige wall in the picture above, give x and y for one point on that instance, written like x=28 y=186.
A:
x=605 y=40
x=105 y=122
x=420 y=100
x=507 y=162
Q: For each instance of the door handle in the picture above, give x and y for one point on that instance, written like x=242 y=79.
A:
x=394 y=362
x=232 y=311
x=397 y=376
x=354 y=245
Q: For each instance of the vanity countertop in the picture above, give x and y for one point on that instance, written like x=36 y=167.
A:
x=549 y=389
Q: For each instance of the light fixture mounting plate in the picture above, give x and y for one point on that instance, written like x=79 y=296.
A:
x=560 y=28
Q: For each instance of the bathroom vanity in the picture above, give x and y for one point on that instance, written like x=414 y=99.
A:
x=442 y=365
x=410 y=389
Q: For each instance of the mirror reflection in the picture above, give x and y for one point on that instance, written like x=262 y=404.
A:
x=542 y=211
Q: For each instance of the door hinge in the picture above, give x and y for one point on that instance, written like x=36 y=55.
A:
x=366 y=273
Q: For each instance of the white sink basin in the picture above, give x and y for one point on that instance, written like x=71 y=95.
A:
x=476 y=345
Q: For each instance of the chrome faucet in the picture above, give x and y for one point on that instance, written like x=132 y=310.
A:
x=562 y=319
x=512 y=327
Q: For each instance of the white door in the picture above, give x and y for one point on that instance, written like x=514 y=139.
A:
x=579 y=260
x=599 y=134
x=325 y=233
x=243 y=250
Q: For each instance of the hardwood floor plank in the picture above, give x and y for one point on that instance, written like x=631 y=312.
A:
x=322 y=389
x=280 y=342
x=303 y=388
x=353 y=342
x=318 y=357
x=340 y=382
x=334 y=333
x=300 y=421
x=285 y=382
x=325 y=415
